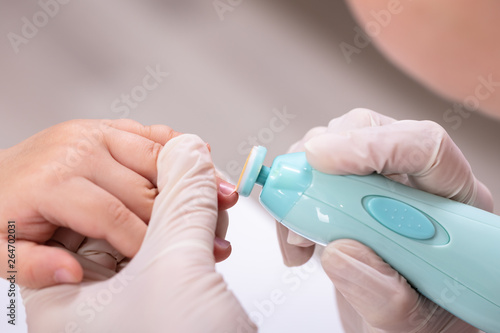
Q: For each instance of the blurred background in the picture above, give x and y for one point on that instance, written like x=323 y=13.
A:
x=237 y=73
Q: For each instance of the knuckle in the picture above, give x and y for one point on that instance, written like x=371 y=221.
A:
x=361 y=113
x=106 y=124
x=146 y=204
x=432 y=133
x=119 y=214
x=171 y=133
x=146 y=131
x=154 y=149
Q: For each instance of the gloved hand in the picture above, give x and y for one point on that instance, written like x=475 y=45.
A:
x=171 y=284
x=372 y=297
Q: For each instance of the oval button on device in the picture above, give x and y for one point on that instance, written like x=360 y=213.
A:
x=400 y=217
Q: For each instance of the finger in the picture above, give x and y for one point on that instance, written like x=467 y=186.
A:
x=135 y=191
x=222 y=224
x=82 y=206
x=226 y=197
x=354 y=119
x=134 y=151
x=421 y=149
x=41 y=266
x=222 y=249
x=226 y=194
x=361 y=118
x=156 y=133
x=185 y=211
x=376 y=291
x=152 y=138
x=292 y=255
x=381 y=149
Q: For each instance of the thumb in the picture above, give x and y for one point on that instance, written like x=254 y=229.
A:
x=185 y=210
x=39 y=265
x=375 y=291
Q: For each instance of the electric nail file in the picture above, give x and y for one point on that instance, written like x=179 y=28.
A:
x=448 y=251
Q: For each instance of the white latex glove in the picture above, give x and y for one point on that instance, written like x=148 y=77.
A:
x=171 y=284
x=373 y=297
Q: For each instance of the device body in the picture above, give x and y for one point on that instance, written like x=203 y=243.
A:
x=448 y=251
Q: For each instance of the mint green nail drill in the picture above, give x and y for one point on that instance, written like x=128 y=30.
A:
x=448 y=251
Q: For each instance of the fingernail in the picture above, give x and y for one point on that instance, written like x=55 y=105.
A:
x=62 y=275
x=226 y=188
x=222 y=243
x=208 y=147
